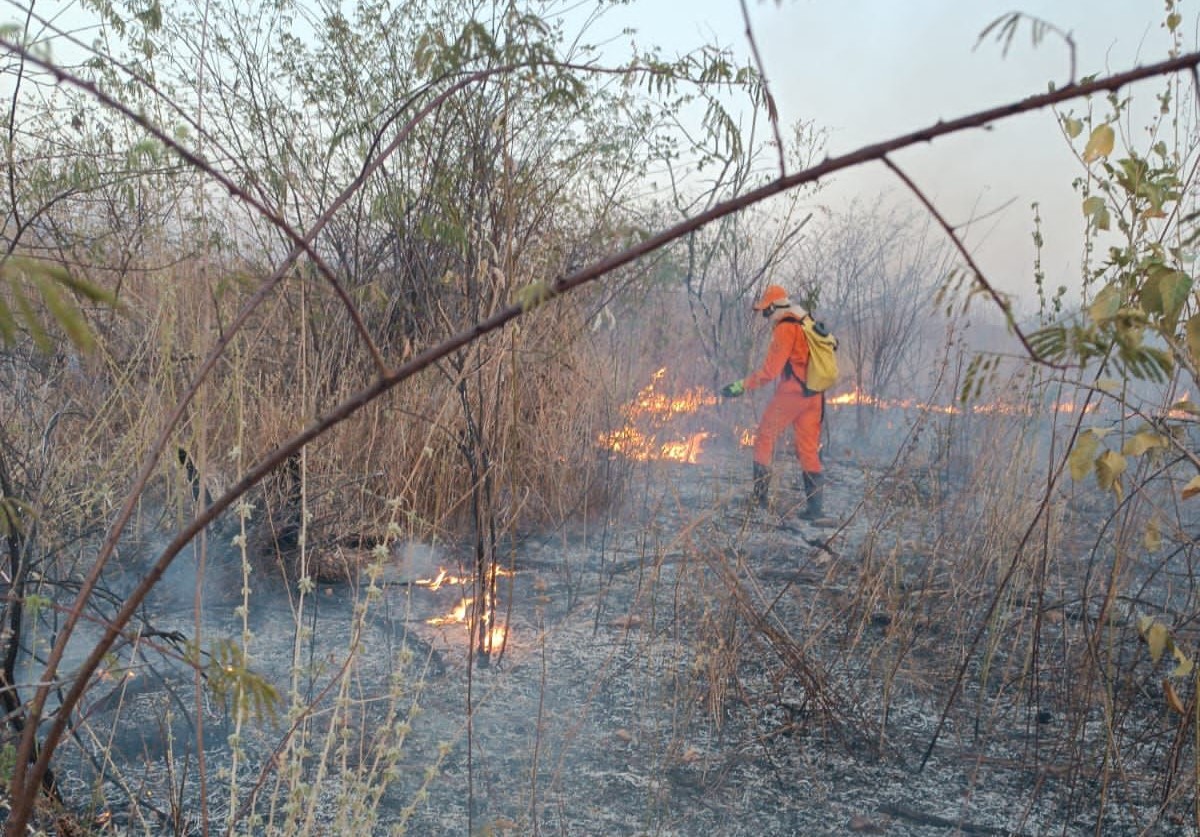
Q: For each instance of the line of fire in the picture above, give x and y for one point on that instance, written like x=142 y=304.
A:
x=651 y=433
x=651 y=414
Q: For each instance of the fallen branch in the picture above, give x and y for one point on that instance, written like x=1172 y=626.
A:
x=32 y=762
x=903 y=812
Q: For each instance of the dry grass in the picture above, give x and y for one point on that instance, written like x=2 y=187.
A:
x=948 y=586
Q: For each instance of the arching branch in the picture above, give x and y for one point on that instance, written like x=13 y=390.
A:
x=22 y=779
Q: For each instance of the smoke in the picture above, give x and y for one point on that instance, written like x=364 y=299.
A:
x=415 y=560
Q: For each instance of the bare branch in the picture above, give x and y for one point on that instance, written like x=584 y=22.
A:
x=304 y=242
x=24 y=779
x=772 y=111
x=988 y=287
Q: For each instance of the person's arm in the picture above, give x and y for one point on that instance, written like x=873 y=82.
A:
x=783 y=337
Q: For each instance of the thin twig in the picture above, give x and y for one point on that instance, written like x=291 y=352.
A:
x=301 y=241
x=996 y=296
x=772 y=111
x=385 y=383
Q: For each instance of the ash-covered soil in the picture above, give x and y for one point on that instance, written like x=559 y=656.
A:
x=716 y=673
x=701 y=668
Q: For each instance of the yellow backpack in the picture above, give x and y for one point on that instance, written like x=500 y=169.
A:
x=822 y=356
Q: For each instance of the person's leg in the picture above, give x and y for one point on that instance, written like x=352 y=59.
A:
x=806 y=431
x=781 y=411
x=806 y=434
x=778 y=414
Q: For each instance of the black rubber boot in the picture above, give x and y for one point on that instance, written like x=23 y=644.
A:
x=762 y=485
x=814 y=489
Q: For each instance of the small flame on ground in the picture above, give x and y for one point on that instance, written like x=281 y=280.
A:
x=857 y=398
x=648 y=402
x=688 y=451
x=455 y=616
x=444 y=577
x=462 y=613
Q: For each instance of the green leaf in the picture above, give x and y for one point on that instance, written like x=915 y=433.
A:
x=1144 y=362
x=35 y=604
x=533 y=295
x=1109 y=467
x=1192 y=332
x=1100 y=143
x=1106 y=304
x=1050 y=343
x=1165 y=293
x=1095 y=209
x=1084 y=454
x=13 y=513
x=1142 y=442
x=8 y=323
x=34 y=285
x=1172 y=697
x=32 y=322
x=8 y=760
x=1072 y=126
x=64 y=313
x=1184 y=665
x=1152 y=537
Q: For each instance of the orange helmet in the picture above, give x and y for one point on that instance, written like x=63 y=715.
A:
x=771 y=295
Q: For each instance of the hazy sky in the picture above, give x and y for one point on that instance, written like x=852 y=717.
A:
x=869 y=70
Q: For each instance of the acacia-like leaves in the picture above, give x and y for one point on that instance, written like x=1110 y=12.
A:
x=37 y=296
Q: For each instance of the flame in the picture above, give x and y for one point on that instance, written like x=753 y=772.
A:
x=688 y=451
x=443 y=577
x=494 y=636
x=633 y=444
x=651 y=410
x=650 y=403
x=457 y=615
x=859 y=398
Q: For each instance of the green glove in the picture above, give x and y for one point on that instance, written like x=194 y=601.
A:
x=733 y=390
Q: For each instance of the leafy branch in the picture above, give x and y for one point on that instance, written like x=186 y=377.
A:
x=29 y=770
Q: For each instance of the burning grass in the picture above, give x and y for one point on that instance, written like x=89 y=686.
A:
x=654 y=412
x=478 y=614
x=668 y=663
x=857 y=398
x=688 y=667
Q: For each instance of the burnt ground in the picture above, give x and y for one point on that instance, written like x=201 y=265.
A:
x=696 y=669
x=658 y=702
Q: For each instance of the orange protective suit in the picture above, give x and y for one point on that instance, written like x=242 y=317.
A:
x=790 y=405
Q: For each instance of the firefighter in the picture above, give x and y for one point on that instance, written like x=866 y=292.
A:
x=792 y=404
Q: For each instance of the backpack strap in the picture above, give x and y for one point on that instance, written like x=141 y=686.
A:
x=787 y=367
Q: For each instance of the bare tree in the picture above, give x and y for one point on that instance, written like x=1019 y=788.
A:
x=872 y=275
x=467 y=223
